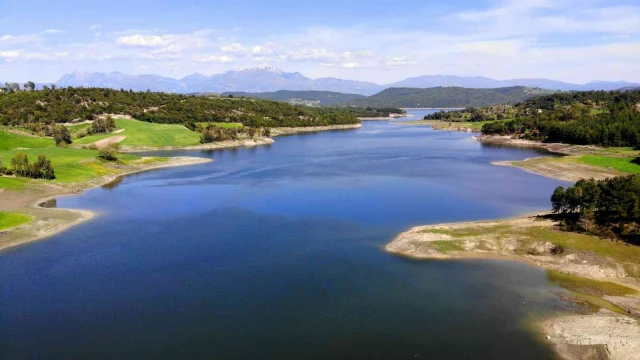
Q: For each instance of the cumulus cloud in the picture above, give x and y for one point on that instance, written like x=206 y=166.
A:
x=217 y=59
x=143 y=40
x=233 y=48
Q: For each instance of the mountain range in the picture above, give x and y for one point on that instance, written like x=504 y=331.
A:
x=266 y=78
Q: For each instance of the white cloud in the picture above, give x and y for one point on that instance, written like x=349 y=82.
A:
x=217 y=59
x=53 y=31
x=138 y=40
x=95 y=27
x=9 y=54
x=233 y=48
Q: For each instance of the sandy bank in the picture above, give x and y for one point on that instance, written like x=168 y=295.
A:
x=567 y=167
x=297 y=130
x=211 y=146
x=50 y=221
x=529 y=239
x=441 y=125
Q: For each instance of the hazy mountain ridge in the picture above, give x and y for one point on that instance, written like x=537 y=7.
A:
x=448 y=97
x=266 y=78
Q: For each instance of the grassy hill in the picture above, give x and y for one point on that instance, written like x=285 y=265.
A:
x=139 y=133
x=447 y=97
x=306 y=98
x=70 y=164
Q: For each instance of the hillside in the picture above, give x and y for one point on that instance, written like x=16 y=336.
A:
x=307 y=98
x=447 y=97
x=77 y=104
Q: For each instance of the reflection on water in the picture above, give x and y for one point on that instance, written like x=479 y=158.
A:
x=51 y=203
x=276 y=252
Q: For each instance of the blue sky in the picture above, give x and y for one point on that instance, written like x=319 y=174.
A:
x=379 y=41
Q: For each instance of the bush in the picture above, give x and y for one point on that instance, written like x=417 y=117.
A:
x=109 y=153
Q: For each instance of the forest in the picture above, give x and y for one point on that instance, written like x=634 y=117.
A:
x=51 y=106
x=608 y=208
x=584 y=118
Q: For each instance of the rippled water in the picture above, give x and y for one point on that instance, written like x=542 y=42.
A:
x=277 y=252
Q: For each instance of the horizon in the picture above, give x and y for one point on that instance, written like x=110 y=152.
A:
x=569 y=41
x=81 y=71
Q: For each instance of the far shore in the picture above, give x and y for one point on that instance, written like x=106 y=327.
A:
x=614 y=328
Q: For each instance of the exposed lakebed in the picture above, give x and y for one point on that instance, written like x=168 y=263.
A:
x=277 y=252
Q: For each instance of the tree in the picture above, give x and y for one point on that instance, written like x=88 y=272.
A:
x=558 y=200
x=29 y=86
x=62 y=135
x=20 y=164
x=42 y=169
x=12 y=86
x=53 y=86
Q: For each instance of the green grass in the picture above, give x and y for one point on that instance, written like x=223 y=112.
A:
x=470 y=231
x=447 y=246
x=590 y=291
x=224 y=125
x=12 y=183
x=622 y=164
x=10 y=141
x=139 y=133
x=9 y=220
x=70 y=165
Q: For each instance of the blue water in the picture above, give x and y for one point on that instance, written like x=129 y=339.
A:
x=276 y=252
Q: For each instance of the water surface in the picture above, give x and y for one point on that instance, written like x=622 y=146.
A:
x=276 y=252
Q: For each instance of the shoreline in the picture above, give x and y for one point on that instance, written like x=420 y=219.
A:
x=50 y=221
x=441 y=125
x=567 y=167
x=522 y=239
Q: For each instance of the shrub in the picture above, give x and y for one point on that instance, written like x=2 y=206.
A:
x=109 y=153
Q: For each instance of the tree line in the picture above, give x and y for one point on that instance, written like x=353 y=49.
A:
x=50 y=106
x=20 y=166
x=609 y=207
x=616 y=121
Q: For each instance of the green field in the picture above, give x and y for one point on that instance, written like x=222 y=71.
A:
x=223 y=125
x=622 y=164
x=10 y=140
x=9 y=220
x=139 y=133
x=70 y=164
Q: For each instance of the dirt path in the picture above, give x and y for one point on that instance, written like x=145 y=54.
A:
x=109 y=141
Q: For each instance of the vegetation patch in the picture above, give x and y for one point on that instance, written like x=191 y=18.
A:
x=447 y=246
x=588 y=286
x=9 y=220
x=629 y=165
x=139 y=133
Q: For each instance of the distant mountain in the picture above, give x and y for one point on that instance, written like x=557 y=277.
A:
x=264 y=78
x=480 y=82
x=447 y=97
x=309 y=98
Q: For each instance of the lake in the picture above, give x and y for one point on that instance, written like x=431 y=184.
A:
x=276 y=252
